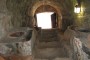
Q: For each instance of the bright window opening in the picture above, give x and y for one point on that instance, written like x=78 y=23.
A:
x=44 y=20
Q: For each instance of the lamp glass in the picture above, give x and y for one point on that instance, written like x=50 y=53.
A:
x=77 y=9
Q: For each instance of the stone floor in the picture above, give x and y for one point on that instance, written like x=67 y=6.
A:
x=16 y=58
x=1 y=58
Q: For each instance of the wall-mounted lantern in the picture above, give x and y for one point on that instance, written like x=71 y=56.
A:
x=77 y=9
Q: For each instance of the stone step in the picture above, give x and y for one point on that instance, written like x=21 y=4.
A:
x=48 y=35
x=41 y=59
x=48 y=32
x=50 y=53
x=62 y=59
x=55 y=59
x=51 y=44
x=49 y=39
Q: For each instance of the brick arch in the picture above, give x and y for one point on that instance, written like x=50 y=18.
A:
x=45 y=8
x=54 y=7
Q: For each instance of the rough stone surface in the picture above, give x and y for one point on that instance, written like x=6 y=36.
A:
x=17 y=13
x=50 y=48
x=5 y=17
x=83 y=18
x=16 y=45
x=79 y=44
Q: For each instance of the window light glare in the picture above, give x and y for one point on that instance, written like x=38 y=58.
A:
x=44 y=20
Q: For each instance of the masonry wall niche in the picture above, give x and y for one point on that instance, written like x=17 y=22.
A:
x=46 y=17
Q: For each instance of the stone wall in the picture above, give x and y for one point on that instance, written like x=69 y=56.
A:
x=5 y=17
x=17 y=12
x=21 y=17
x=83 y=18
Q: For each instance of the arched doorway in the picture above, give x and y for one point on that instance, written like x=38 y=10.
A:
x=46 y=17
x=48 y=6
